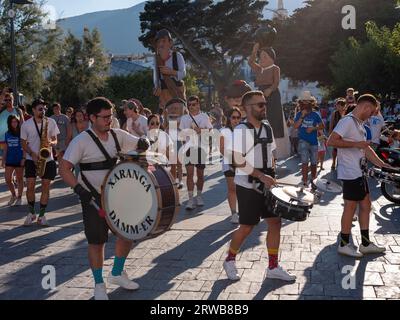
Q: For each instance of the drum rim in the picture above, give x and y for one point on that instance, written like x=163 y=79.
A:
x=112 y=228
x=158 y=195
x=298 y=203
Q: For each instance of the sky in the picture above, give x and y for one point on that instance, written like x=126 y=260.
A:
x=68 y=8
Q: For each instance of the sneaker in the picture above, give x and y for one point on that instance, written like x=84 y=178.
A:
x=42 y=221
x=100 y=292
x=123 y=281
x=371 y=248
x=279 y=273
x=18 y=202
x=235 y=218
x=190 y=204
x=199 y=201
x=349 y=250
x=180 y=185
x=30 y=219
x=12 y=200
x=231 y=271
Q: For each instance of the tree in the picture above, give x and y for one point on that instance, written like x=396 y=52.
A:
x=136 y=85
x=307 y=41
x=80 y=71
x=210 y=33
x=371 y=66
x=36 y=47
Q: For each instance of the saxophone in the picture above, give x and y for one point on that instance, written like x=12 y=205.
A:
x=44 y=151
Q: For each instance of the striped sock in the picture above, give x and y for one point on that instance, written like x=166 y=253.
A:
x=272 y=258
x=118 y=266
x=98 y=275
x=365 y=238
x=231 y=254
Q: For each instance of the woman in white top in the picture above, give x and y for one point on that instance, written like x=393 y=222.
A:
x=135 y=124
x=233 y=119
x=161 y=142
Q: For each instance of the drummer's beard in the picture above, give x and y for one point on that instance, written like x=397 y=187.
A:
x=260 y=116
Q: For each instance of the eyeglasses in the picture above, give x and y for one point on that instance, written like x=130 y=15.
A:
x=260 y=105
x=154 y=123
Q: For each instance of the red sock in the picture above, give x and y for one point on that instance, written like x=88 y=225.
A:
x=231 y=255
x=273 y=258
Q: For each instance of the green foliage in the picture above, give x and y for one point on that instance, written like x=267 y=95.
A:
x=211 y=34
x=36 y=47
x=80 y=71
x=371 y=66
x=138 y=85
x=308 y=40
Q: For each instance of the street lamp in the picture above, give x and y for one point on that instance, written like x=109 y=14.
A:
x=11 y=15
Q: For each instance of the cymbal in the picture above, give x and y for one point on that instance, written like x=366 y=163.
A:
x=327 y=186
x=299 y=194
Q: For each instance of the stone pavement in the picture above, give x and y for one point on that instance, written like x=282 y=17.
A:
x=186 y=262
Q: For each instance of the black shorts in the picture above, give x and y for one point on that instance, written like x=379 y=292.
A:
x=252 y=206
x=13 y=165
x=96 y=227
x=199 y=161
x=49 y=174
x=229 y=174
x=355 y=190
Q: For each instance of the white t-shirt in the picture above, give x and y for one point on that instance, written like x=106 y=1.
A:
x=349 y=167
x=141 y=121
x=162 y=141
x=30 y=134
x=376 y=123
x=228 y=147
x=202 y=120
x=243 y=142
x=83 y=149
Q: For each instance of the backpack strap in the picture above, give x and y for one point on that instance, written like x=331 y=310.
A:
x=175 y=65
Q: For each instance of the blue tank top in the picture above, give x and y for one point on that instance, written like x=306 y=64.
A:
x=14 y=149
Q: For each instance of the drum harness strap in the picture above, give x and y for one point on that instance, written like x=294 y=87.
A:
x=102 y=165
x=264 y=150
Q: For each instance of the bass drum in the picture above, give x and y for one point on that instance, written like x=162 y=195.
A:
x=140 y=200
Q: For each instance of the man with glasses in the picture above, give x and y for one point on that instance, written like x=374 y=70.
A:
x=192 y=125
x=253 y=146
x=95 y=151
x=31 y=134
x=308 y=122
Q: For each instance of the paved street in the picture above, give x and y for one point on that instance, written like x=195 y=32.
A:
x=186 y=262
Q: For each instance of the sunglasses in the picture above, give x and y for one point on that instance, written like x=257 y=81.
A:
x=154 y=123
x=7 y=100
x=236 y=118
x=260 y=105
x=192 y=104
x=41 y=109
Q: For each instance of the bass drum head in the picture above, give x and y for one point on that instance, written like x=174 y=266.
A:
x=129 y=198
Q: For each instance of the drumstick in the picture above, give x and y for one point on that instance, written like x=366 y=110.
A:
x=286 y=184
x=101 y=212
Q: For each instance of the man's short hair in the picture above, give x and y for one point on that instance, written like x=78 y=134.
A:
x=341 y=101
x=175 y=100
x=38 y=102
x=56 y=104
x=95 y=105
x=194 y=98
x=368 y=98
x=247 y=96
x=163 y=33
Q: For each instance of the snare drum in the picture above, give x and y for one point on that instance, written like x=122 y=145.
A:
x=286 y=207
x=140 y=199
